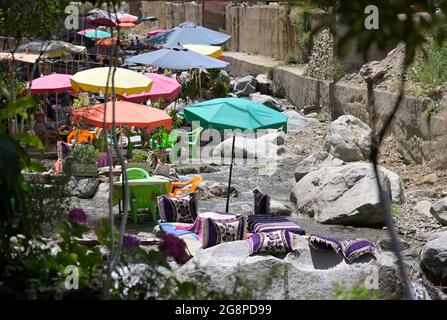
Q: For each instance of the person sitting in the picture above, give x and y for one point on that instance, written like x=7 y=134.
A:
x=42 y=131
x=132 y=43
x=137 y=42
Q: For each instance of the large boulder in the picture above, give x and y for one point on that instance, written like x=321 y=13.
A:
x=297 y=122
x=245 y=86
x=397 y=192
x=209 y=189
x=266 y=100
x=348 y=139
x=439 y=211
x=434 y=258
x=345 y=195
x=264 y=84
x=314 y=162
x=310 y=274
x=248 y=148
x=84 y=188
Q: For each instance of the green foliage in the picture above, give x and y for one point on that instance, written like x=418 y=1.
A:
x=167 y=72
x=432 y=108
x=190 y=89
x=357 y=292
x=81 y=102
x=321 y=116
x=32 y=19
x=140 y=156
x=219 y=89
x=430 y=68
x=85 y=154
x=291 y=59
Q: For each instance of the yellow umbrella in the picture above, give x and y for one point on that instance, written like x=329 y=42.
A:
x=126 y=81
x=210 y=51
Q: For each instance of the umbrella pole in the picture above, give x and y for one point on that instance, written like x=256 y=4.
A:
x=231 y=172
x=57 y=117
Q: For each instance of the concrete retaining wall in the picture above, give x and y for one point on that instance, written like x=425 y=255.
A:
x=417 y=139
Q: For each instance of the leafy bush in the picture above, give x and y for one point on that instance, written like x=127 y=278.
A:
x=86 y=154
x=430 y=68
x=81 y=102
x=357 y=292
x=220 y=89
x=140 y=156
x=432 y=108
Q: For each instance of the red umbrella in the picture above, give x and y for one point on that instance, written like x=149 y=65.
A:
x=163 y=88
x=126 y=113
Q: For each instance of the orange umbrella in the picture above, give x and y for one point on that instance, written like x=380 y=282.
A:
x=126 y=113
x=107 y=42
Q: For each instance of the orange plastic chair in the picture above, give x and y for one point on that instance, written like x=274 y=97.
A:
x=80 y=136
x=178 y=189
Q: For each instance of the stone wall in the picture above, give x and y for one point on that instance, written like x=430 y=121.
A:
x=170 y=14
x=417 y=139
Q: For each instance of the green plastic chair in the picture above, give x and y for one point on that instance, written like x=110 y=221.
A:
x=165 y=142
x=193 y=140
x=136 y=173
x=143 y=197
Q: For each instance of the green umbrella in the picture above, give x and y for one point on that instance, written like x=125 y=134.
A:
x=97 y=34
x=235 y=113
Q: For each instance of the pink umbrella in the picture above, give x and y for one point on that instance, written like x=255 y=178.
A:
x=155 y=32
x=82 y=32
x=162 y=88
x=53 y=83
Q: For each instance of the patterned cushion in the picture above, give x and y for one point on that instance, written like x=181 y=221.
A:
x=353 y=249
x=319 y=242
x=173 y=209
x=222 y=230
x=279 y=241
x=266 y=223
x=63 y=150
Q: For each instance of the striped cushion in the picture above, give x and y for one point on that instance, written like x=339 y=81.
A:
x=354 y=249
x=275 y=242
x=266 y=223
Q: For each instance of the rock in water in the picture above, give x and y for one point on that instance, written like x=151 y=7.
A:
x=264 y=84
x=266 y=100
x=439 y=211
x=298 y=122
x=348 y=139
x=345 y=195
x=434 y=258
x=314 y=162
x=84 y=188
x=245 y=86
x=310 y=274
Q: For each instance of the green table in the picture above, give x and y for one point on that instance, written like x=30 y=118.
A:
x=162 y=185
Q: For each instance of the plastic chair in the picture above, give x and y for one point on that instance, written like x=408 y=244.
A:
x=136 y=173
x=80 y=136
x=193 y=140
x=185 y=187
x=143 y=197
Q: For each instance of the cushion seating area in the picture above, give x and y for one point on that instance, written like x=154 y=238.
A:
x=265 y=223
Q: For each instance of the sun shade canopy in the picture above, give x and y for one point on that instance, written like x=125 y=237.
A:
x=126 y=113
x=126 y=81
x=163 y=88
x=188 y=33
x=51 y=48
x=177 y=59
x=235 y=113
x=53 y=83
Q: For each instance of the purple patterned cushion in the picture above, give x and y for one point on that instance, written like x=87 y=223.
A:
x=274 y=242
x=222 y=230
x=353 y=249
x=173 y=209
x=320 y=242
x=62 y=149
x=266 y=223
